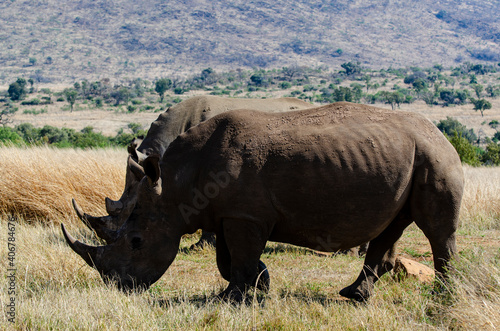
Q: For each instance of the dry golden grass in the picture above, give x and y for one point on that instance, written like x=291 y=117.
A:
x=39 y=182
x=57 y=290
x=481 y=202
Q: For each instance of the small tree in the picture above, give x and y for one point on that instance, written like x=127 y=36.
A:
x=393 y=98
x=429 y=97
x=121 y=94
x=448 y=96
x=4 y=117
x=17 y=90
x=161 y=86
x=492 y=91
x=478 y=88
x=367 y=79
x=70 y=95
x=258 y=79
x=351 y=68
x=481 y=105
x=419 y=85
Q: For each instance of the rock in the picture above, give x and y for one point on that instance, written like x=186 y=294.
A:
x=404 y=268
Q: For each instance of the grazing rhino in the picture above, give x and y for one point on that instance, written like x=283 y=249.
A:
x=327 y=178
x=163 y=131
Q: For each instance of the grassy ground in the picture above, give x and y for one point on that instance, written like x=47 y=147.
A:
x=56 y=290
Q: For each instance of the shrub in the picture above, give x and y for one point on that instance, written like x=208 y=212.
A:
x=450 y=126
x=468 y=153
x=492 y=154
x=285 y=85
x=32 y=102
x=7 y=135
x=17 y=90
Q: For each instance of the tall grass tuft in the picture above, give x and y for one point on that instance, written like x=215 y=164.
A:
x=481 y=201
x=39 y=182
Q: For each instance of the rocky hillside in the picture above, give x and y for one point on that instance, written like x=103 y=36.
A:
x=60 y=41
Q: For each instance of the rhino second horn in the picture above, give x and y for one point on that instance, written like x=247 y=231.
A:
x=88 y=253
x=84 y=217
x=99 y=225
x=113 y=207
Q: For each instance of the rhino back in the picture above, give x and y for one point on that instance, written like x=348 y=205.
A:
x=186 y=114
x=306 y=171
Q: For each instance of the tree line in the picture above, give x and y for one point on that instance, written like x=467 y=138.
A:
x=26 y=134
x=354 y=83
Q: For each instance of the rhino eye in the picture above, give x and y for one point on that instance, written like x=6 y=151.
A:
x=136 y=242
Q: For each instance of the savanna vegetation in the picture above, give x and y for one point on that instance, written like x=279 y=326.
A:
x=474 y=84
x=56 y=290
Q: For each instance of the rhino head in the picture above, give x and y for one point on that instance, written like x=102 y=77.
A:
x=106 y=226
x=144 y=246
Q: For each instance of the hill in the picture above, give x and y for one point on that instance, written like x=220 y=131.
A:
x=62 y=41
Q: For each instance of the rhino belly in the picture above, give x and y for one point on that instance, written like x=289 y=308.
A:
x=328 y=206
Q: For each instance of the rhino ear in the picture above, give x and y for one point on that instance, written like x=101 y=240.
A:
x=152 y=168
x=136 y=169
x=132 y=152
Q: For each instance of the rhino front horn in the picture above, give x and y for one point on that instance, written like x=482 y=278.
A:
x=88 y=253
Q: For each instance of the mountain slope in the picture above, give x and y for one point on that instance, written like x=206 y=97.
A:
x=60 y=41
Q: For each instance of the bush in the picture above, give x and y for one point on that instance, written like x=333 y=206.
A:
x=17 y=90
x=450 y=126
x=468 y=153
x=285 y=85
x=492 y=154
x=32 y=102
x=7 y=135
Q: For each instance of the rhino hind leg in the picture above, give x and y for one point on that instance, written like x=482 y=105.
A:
x=380 y=258
x=223 y=257
x=435 y=209
x=239 y=246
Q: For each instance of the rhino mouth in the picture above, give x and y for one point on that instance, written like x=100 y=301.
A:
x=117 y=265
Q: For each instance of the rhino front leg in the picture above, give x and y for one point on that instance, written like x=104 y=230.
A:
x=380 y=258
x=238 y=253
x=262 y=280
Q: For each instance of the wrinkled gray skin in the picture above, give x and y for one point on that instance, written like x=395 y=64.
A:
x=163 y=131
x=328 y=178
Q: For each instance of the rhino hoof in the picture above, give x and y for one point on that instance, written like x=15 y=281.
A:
x=353 y=293
x=234 y=296
x=263 y=279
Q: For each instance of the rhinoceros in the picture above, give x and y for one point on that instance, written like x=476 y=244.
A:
x=163 y=131
x=327 y=178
